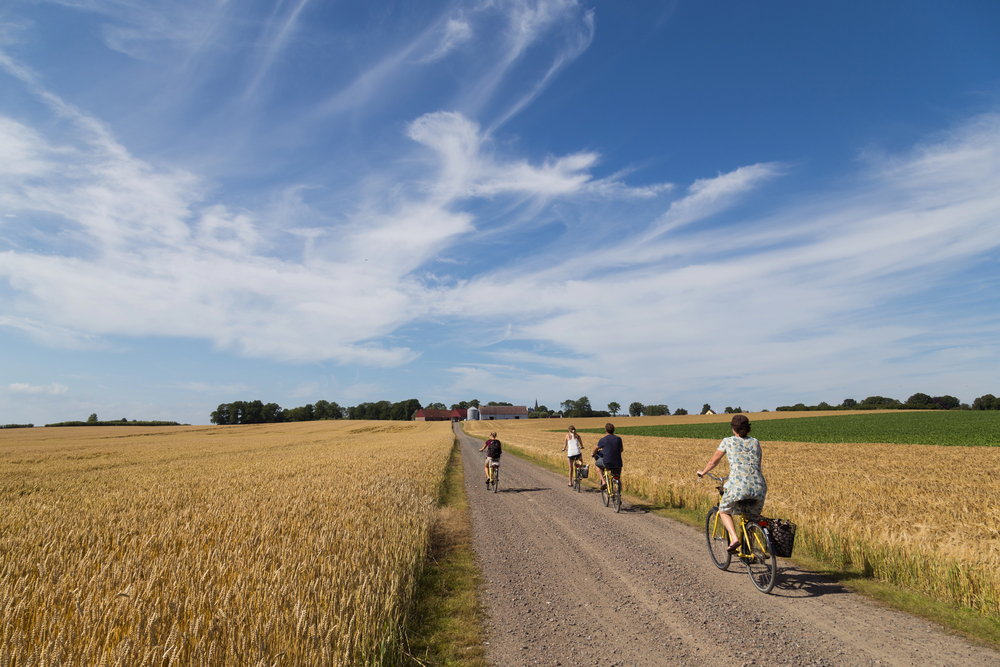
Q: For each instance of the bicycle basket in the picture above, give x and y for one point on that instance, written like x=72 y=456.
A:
x=783 y=537
x=585 y=471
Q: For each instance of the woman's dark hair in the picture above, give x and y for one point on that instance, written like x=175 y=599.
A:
x=741 y=425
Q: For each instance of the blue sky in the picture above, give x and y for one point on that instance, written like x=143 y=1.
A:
x=735 y=203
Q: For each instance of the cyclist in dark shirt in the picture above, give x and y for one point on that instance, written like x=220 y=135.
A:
x=493 y=451
x=608 y=453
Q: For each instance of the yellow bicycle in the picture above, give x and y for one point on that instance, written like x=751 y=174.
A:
x=756 y=549
x=611 y=490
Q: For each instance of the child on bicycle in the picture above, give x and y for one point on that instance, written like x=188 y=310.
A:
x=493 y=452
x=746 y=480
x=608 y=453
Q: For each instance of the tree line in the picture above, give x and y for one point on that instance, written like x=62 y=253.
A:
x=918 y=401
x=258 y=412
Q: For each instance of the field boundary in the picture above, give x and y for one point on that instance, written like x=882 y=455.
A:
x=445 y=626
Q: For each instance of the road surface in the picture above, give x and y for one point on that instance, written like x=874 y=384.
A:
x=569 y=582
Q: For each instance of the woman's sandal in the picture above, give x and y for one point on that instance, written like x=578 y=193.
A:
x=734 y=547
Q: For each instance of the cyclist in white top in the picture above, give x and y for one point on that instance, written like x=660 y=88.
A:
x=573 y=448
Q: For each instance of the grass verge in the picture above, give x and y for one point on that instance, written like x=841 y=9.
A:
x=960 y=620
x=445 y=626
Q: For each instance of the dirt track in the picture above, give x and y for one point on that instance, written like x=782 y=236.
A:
x=569 y=582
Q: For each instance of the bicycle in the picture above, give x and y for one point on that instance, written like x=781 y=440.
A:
x=578 y=467
x=756 y=549
x=611 y=490
x=494 y=479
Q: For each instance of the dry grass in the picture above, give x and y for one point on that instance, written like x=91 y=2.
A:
x=289 y=544
x=920 y=516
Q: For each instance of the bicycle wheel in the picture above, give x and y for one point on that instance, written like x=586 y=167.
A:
x=718 y=540
x=605 y=491
x=496 y=479
x=616 y=498
x=762 y=566
x=576 y=478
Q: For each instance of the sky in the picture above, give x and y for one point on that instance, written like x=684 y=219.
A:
x=745 y=204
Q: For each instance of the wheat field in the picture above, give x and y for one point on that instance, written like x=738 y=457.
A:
x=922 y=516
x=278 y=544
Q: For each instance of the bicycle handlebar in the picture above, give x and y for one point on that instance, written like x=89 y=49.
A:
x=717 y=479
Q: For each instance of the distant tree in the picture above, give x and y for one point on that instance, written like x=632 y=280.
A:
x=919 y=399
x=635 y=409
x=986 y=402
x=946 y=402
x=613 y=408
x=849 y=403
x=220 y=415
x=437 y=406
x=578 y=408
x=404 y=410
x=729 y=410
x=461 y=405
x=879 y=401
x=92 y=419
x=705 y=408
x=541 y=413
x=656 y=410
x=474 y=403
x=680 y=411
x=823 y=405
x=498 y=403
x=272 y=413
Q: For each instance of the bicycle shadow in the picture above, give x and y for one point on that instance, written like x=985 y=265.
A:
x=513 y=490
x=793 y=582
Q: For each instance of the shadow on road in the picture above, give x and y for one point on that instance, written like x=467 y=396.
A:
x=798 y=583
x=512 y=490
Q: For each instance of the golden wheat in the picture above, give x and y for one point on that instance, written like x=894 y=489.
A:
x=920 y=516
x=290 y=544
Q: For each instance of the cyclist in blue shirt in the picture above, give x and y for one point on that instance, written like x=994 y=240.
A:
x=608 y=453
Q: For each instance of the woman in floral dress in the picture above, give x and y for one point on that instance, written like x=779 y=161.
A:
x=746 y=481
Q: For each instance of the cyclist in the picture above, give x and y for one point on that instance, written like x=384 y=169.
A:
x=608 y=453
x=493 y=452
x=573 y=448
x=746 y=481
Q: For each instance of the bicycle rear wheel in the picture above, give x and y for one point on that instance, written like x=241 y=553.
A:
x=616 y=498
x=762 y=566
x=605 y=491
x=576 y=478
x=496 y=479
x=718 y=540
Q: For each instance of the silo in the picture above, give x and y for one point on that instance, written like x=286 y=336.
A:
x=473 y=414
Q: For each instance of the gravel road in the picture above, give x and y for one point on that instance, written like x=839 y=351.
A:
x=569 y=582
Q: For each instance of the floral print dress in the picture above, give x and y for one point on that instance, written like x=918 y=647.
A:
x=745 y=477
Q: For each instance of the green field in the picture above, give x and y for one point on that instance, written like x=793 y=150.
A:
x=964 y=428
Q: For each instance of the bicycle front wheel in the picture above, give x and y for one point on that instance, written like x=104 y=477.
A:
x=718 y=541
x=616 y=498
x=762 y=565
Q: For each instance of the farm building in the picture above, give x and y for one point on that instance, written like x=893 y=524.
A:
x=503 y=412
x=431 y=415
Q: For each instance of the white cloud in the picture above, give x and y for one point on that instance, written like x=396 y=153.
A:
x=53 y=389
x=454 y=33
